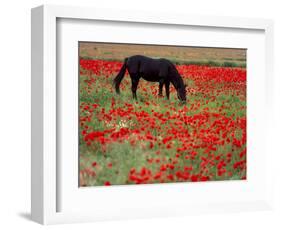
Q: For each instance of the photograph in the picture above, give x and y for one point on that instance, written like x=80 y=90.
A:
x=151 y=114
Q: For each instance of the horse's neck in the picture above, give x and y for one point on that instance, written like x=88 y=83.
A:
x=176 y=80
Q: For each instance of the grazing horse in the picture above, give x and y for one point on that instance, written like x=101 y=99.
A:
x=154 y=70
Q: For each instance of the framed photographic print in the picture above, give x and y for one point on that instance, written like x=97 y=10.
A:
x=137 y=114
x=196 y=132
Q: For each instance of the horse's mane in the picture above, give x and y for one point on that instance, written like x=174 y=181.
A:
x=176 y=78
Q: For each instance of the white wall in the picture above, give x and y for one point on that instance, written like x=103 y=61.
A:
x=15 y=110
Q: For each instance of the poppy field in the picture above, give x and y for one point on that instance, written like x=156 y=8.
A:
x=155 y=140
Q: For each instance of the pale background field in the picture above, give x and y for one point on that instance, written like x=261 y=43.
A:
x=177 y=54
x=15 y=115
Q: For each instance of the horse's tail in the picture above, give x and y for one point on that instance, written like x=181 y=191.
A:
x=117 y=80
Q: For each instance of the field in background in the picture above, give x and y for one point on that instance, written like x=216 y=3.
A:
x=154 y=140
x=179 y=55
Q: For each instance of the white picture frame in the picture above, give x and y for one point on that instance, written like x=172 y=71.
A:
x=45 y=167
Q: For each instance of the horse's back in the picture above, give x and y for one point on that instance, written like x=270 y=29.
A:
x=148 y=66
x=139 y=60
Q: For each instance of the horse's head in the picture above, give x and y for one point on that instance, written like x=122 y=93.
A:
x=182 y=93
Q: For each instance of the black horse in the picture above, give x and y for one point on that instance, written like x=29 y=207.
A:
x=154 y=70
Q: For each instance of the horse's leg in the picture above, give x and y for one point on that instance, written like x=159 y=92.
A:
x=135 y=81
x=167 y=88
x=161 y=83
